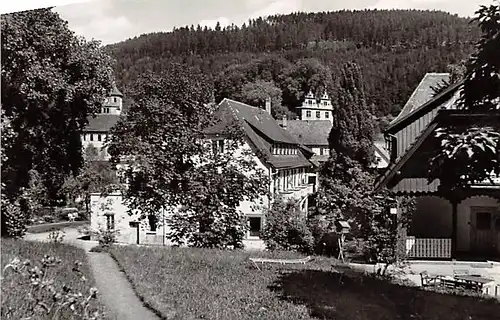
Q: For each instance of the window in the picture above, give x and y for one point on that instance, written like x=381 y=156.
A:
x=325 y=103
x=152 y=222
x=84 y=137
x=218 y=146
x=91 y=137
x=110 y=222
x=255 y=224
x=483 y=220
x=326 y=151
x=327 y=115
x=310 y=102
x=318 y=114
x=98 y=137
x=114 y=99
x=308 y=114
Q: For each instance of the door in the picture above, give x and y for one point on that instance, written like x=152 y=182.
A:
x=485 y=228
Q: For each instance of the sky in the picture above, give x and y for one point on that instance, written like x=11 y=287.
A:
x=112 y=21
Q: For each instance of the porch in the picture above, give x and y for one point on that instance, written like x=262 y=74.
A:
x=467 y=229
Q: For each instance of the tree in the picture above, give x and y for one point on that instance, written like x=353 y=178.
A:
x=96 y=175
x=286 y=227
x=353 y=126
x=255 y=93
x=346 y=179
x=51 y=82
x=174 y=168
x=470 y=153
x=305 y=75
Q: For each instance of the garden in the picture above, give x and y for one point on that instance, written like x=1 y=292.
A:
x=47 y=281
x=192 y=283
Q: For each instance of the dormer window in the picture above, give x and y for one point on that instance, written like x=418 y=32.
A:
x=218 y=146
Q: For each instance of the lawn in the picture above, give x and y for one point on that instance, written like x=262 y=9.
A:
x=16 y=289
x=184 y=283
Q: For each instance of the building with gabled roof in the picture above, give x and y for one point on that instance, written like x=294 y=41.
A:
x=444 y=225
x=99 y=126
x=275 y=150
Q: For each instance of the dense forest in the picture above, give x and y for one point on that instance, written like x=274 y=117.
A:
x=284 y=56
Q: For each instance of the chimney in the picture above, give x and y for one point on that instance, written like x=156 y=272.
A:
x=268 y=105
x=285 y=122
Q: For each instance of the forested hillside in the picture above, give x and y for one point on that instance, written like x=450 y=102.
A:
x=284 y=56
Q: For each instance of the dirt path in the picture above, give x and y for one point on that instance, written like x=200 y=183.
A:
x=115 y=292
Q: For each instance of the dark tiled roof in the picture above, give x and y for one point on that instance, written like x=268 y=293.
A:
x=310 y=132
x=102 y=122
x=261 y=129
x=423 y=93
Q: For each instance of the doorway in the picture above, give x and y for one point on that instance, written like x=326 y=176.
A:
x=485 y=230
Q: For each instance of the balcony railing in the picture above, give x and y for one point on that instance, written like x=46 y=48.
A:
x=298 y=192
x=428 y=247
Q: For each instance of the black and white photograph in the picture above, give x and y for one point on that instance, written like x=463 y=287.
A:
x=250 y=159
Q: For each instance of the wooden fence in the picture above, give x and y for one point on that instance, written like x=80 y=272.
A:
x=439 y=248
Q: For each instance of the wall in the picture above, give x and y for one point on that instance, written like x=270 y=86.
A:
x=115 y=104
x=464 y=218
x=85 y=138
x=113 y=203
x=432 y=218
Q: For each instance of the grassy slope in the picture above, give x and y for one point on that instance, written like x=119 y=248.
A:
x=206 y=284
x=14 y=295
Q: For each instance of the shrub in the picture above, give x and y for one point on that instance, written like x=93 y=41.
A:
x=56 y=236
x=105 y=236
x=14 y=218
x=286 y=227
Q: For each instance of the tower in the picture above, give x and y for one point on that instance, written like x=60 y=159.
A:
x=113 y=104
x=312 y=109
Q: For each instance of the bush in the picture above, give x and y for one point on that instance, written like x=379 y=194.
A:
x=14 y=218
x=286 y=227
x=105 y=237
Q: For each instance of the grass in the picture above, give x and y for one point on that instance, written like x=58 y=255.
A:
x=15 y=291
x=184 y=283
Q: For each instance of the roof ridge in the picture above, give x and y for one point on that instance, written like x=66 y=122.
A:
x=242 y=103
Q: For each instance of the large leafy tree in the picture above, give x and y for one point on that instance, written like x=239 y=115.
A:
x=51 y=82
x=255 y=93
x=174 y=168
x=471 y=152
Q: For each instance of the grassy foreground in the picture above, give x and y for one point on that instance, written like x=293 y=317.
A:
x=16 y=288
x=183 y=283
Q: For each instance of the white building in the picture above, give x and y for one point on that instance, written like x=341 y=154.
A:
x=274 y=150
x=314 y=109
x=97 y=131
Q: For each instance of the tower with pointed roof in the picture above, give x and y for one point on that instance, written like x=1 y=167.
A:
x=113 y=104
x=314 y=109
x=97 y=131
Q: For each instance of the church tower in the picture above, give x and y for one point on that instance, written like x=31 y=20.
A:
x=113 y=104
x=312 y=109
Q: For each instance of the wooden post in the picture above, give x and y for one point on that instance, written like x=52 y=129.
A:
x=138 y=233
x=454 y=223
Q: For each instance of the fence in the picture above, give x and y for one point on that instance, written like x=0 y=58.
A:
x=428 y=248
